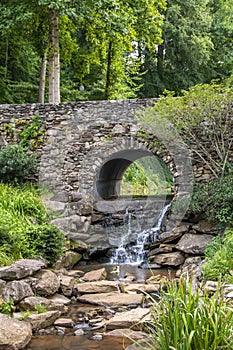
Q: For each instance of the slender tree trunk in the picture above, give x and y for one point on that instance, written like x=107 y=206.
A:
x=108 y=74
x=54 y=59
x=42 y=77
x=51 y=59
x=160 y=60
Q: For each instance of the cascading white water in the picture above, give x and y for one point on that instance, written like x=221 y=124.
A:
x=134 y=253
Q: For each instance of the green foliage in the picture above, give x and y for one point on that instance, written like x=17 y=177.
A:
x=47 y=240
x=7 y=307
x=219 y=256
x=202 y=116
x=147 y=176
x=32 y=134
x=186 y=320
x=24 y=315
x=40 y=309
x=214 y=200
x=24 y=231
x=16 y=164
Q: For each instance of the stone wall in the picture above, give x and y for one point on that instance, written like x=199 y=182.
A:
x=87 y=147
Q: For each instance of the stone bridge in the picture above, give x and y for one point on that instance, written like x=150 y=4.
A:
x=86 y=150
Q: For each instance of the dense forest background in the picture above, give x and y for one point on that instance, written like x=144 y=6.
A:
x=67 y=50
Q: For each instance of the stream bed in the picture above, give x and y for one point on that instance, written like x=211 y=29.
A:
x=92 y=340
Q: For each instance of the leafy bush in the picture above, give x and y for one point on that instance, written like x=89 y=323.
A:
x=219 y=256
x=184 y=320
x=214 y=200
x=24 y=230
x=16 y=164
x=47 y=240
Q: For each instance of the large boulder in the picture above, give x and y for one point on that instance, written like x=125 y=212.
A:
x=169 y=259
x=46 y=283
x=21 y=269
x=16 y=291
x=14 y=334
x=194 y=243
x=43 y=320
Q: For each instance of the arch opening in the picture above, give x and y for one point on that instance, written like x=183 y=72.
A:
x=133 y=173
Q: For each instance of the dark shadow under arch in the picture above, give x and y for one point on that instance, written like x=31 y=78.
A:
x=109 y=177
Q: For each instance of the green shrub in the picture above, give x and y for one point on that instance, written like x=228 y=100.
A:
x=24 y=230
x=184 y=320
x=219 y=256
x=16 y=165
x=47 y=240
x=214 y=200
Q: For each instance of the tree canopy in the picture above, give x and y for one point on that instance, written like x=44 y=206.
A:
x=114 y=49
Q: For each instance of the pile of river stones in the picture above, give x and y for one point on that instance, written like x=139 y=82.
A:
x=76 y=302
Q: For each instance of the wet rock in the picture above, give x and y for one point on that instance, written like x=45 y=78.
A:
x=16 y=291
x=194 y=243
x=163 y=248
x=112 y=299
x=78 y=246
x=14 y=334
x=21 y=269
x=79 y=332
x=46 y=283
x=68 y=260
x=173 y=235
x=128 y=319
x=169 y=259
x=95 y=275
x=97 y=287
x=67 y=284
x=43 y=320
x=64 y=322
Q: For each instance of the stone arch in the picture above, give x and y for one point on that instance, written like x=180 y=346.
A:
x=104 y=166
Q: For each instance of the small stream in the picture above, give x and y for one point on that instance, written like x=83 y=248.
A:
x=126 y=260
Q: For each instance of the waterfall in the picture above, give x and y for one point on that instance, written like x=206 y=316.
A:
x=134 y=253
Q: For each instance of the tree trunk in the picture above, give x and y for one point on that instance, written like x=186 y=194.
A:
x=42 y=77
x=54 y=59
x=108 y=74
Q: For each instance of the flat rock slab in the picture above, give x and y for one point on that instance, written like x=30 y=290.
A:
x=126 y=333
x=21 y=269
x=97 y=287
x=193 y=243
x=128 y=319
x=95 y=275
x=14 y=334
x=140 y=287
x=112 y=299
